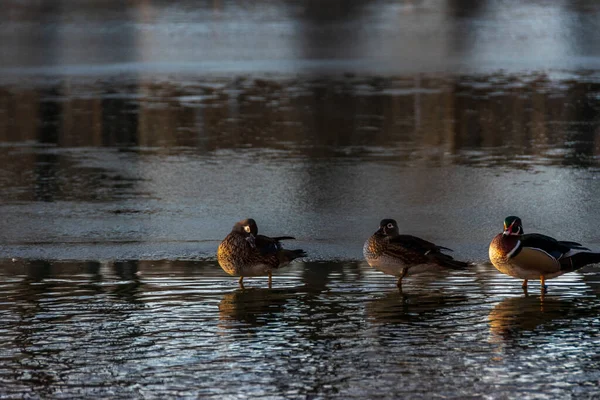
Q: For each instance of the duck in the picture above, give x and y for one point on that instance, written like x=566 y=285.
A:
x=402 y=255
x=245 y=253
x=536 y=256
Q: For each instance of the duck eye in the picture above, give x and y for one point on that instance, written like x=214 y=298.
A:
x=390 y=225
x=247 y=228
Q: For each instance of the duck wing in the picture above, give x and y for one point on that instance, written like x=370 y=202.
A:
x=415 y=244
x=412 y=249
x=548 y=244
x=573 y=245
x=266 y=245
x=270 y=247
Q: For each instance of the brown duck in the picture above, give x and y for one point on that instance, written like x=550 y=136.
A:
x=403 y=255
x=246 y=253
x=536 y=256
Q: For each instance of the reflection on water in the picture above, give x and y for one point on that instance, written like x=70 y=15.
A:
x=108 y=156
x=135 y=328
x=127 y=161
x=398 y=307
x=253 y=306
x=138 y=132
x=492 y=120
x=514 y=316
x=518 y=317
x=558 y=328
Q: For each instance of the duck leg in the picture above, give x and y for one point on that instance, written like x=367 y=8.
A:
x=402 y=275
x=524 y=285
x=544 y=288
x=270 y=280
x=241 y=282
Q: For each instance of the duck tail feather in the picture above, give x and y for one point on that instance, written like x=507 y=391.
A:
x=284 y=238
x=290 y=255
x=579 y=260
x=455 y=264
x=449 y=262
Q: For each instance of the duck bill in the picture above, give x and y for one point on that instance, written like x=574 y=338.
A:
x=509 y=231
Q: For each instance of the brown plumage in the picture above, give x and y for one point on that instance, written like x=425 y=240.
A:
x=402 y=255
x=246 y=253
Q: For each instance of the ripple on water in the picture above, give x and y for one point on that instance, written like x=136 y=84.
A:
x=324 y=329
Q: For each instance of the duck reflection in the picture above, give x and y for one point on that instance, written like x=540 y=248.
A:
x=396 y=307
x=38 y=276
x=513 y=316
x=49 y=299
x=129 y=289
x=41 y=277
x=318 y=275
x=253 y=306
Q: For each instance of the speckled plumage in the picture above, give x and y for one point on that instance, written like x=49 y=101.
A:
x=536 y=256
x=246 y=253
x=403 y=255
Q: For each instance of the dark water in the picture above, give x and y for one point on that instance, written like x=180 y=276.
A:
x=134 y=134
x=163 y=169
x=331 y=329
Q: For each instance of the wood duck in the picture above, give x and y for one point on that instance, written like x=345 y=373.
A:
x=536 y=256
x=403 y=255
x=246 y=253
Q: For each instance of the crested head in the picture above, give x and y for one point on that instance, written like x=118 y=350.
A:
x=246 y=226
x=388 y=227
x=513 y=226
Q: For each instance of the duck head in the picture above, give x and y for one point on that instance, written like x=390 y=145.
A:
x=247 y=227
x=512 y=226
x=388 y=227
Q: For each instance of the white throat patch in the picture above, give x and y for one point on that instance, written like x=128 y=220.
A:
x=510 y=253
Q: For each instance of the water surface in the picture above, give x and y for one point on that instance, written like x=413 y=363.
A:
x=163 y=170
x=133 y=135
x=326 y=329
